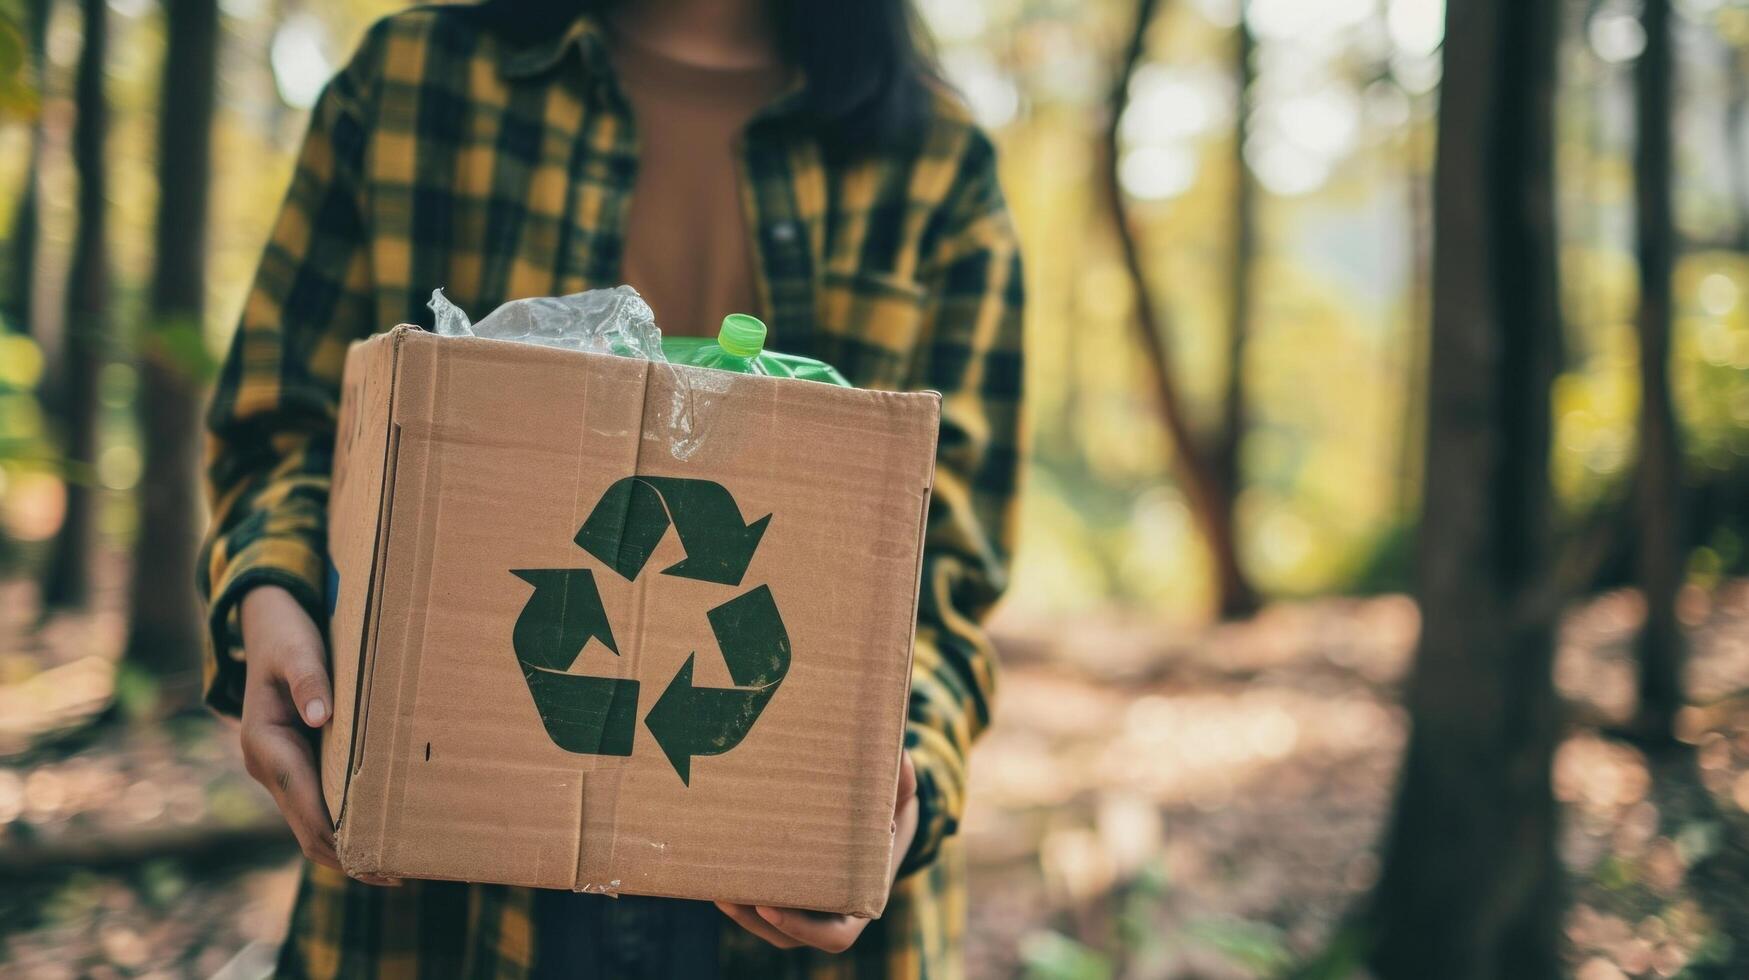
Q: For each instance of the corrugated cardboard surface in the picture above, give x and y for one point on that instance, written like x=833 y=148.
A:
x=462 y=460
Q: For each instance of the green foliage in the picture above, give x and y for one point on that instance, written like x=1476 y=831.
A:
x=1138 y=923
x=137 y=692
x=1616 y=874
x=75 y=899
x=162 y=882
x=180 y=342
x=1342 y=958
x=232 y=803
x=27 y=454
x=1142 y=941
x=1389 y=565
x=1048 y=955
x=1722 y=554
x=1255 y=946
x=1713 y=952
x=21 y=369
x=1335 y=360
x=19 y=98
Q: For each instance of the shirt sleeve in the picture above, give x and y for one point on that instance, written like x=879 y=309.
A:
x=971 y=354
x=272 y=418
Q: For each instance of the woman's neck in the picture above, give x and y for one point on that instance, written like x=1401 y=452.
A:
x=704 y=33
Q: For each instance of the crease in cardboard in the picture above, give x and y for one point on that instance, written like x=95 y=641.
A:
x=693 y=438
x=424 y=534
x=372 y=613
x=631 y=655
x=582 y=776
x=641 y=587
x=373 y=606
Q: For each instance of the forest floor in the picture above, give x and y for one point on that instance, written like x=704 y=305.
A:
x=1152 y=801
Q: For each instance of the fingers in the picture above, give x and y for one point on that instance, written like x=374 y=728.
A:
x=791 y=928
x=333 y=879
x=378 y=880
x=907 y=782
x=831 y=933
x=904 y=832
x=280 y=758
x=283 y=646
x=748 y=919
x=287 y=692
x=283 y=650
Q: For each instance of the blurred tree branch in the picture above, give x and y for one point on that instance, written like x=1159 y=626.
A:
x=22 y=237
x=1208 y=474
x=208 y=840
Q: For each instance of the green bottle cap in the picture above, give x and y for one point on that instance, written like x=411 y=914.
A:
x=742 y=335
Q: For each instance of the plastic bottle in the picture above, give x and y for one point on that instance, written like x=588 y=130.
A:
x=740 y=347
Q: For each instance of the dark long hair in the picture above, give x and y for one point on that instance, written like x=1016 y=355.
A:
x=869 y=71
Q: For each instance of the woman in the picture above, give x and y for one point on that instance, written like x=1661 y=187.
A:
x=794 y=159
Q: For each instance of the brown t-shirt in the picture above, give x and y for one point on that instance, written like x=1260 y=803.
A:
x=687 y=249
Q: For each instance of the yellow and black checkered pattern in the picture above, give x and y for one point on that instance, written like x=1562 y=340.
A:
x=445 y=156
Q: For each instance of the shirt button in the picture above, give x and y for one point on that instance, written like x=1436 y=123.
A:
x=783 y=232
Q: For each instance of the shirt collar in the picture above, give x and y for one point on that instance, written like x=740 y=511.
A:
x=536 y=57
x=518 y=61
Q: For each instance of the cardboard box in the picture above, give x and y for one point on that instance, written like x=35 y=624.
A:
x=615 y=626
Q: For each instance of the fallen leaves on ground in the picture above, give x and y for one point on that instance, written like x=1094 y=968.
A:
x=1152 y=801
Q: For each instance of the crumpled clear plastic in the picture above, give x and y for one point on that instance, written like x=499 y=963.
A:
x=599 y=321
x=603 y=321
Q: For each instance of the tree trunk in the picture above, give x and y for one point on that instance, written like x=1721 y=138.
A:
x=68 y=579
x=1236 y=597
x=164 y=631
x=1737 y=129
x=21 y=257
x=1471 y=883
x=1658 y=555
x=1412 y=437
x=1203 y=488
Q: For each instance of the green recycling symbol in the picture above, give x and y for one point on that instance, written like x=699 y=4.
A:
x=598 y=715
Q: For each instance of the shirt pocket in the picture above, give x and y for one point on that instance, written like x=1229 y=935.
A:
x=870 y=325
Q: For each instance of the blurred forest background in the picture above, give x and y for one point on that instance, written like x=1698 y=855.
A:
x=1332 y=303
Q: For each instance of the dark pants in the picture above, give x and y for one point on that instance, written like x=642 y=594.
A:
x=583 y=937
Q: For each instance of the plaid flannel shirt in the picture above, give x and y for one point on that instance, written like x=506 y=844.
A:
x=444 y=156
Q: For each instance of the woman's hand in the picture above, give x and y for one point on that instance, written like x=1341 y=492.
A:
x=286 y=697
x=790 y=928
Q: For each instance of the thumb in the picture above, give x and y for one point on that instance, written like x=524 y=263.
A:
x=282 y=641
x=279 y=622
x=306 y=677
